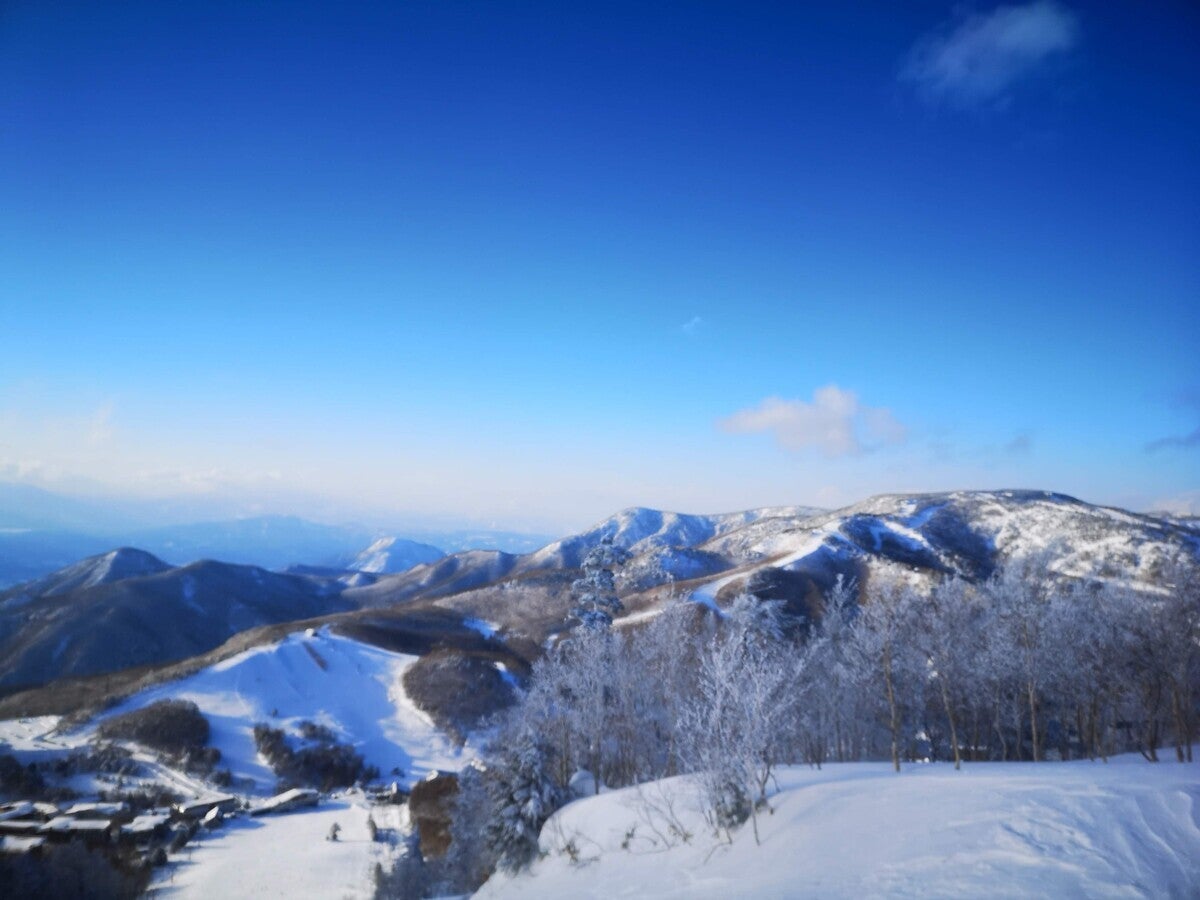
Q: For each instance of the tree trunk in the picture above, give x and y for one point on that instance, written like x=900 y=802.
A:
x=1033 y=720
x=894 y=719
x=996 y=723
x=1180 y=729
x=953 y=727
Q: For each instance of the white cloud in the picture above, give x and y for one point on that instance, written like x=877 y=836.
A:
x=977 y=60
x=692 y=325
x=835 y=422
x=100 y=426
x=1184 y=504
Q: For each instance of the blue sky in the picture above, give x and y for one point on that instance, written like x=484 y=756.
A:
x=530 y=263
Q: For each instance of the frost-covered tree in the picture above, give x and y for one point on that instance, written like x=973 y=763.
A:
x=469 y=859
x=1180 y=615
x=887 y=654
x=951 y=640
x=832 y=681
x=595 y=593
x=1163 y=659
x=1087 y=623
x=585 y=683
x=1023 y=645
x=522 y=793
x=737 y=727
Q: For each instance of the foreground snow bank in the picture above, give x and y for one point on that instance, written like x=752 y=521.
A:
x=1125 y=829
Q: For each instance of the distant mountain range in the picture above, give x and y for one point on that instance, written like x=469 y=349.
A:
x=129 y=608
x=41 y=532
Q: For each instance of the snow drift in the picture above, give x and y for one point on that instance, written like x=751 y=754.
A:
x=1125 y=829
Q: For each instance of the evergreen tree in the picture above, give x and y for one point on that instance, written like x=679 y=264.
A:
x=596 y=600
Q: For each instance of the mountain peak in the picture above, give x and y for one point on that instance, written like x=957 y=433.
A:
x=392 y=554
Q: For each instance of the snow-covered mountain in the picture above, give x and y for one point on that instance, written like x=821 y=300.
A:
x=105 y=568
x=392 y=554
x=646 y=533
x=965 y=532
x=127 y=608
x=641 y=530
x=795 y=553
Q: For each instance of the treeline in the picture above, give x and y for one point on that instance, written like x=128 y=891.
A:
x=1028 y=665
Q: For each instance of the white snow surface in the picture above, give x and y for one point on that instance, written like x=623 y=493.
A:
x=351 y=687
x=1127 y=828
x=285 y=855
x=393 y=554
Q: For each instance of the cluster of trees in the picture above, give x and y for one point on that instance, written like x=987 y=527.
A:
x=320 y=762
x=72 y=870
x=1025 y=666
x=175 y=728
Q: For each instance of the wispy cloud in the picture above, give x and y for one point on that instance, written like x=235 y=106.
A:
x=975 y=61
x=1021 y=445
x=834 y=422
x=692 y=325
x=100 y=425
x=1176 y=441
x=1188 y=401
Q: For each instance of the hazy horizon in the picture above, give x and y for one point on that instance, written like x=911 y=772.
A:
x=531 y=265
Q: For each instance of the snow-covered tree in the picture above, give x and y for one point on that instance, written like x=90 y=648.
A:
x=737 y=728
x=522 y=792
x=469 y=859
x=886 y=654
x=832 y=708
x=1163 y=658
x=1024 y=645
x=596 y=600
x=951 y=640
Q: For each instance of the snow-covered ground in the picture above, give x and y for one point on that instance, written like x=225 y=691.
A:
x=1123 y=829
x=286 y=855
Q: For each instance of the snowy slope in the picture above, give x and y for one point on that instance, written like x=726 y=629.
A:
x=353 y=688
x=393 y=554
x=104 y=568
x=286 y=855
x=1125 y=829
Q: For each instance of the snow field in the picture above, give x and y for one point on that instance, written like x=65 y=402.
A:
x=1080 y=829
x=286 y=855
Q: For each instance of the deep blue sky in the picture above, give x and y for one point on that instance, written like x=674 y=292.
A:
x=533 y=262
